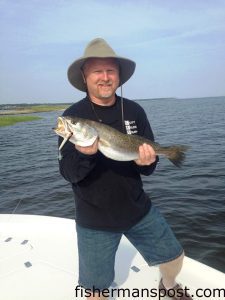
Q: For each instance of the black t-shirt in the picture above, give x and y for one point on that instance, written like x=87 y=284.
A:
x=109 y=194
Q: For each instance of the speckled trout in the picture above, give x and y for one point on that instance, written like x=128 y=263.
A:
x=111 y=142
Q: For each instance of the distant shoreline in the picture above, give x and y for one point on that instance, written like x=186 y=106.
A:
x=30 y=109
x=20 y=113
x=25 y=105
x=14 y=109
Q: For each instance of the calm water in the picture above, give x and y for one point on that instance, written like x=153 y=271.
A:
x=192 y=198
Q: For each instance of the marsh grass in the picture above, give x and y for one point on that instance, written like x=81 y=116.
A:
x=35 y=108
x=47 y=108
x=11 y=120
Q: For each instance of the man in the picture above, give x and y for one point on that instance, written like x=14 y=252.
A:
x=109 y=196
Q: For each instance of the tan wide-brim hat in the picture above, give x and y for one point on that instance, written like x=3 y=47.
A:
x=98 y=48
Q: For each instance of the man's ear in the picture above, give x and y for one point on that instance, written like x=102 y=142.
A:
x=82 y=73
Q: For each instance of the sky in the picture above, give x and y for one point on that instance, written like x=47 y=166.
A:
x=178 y=46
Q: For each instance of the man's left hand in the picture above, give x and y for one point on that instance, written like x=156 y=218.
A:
x=147 y=155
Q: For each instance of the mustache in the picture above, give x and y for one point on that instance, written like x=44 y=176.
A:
x=105 y=82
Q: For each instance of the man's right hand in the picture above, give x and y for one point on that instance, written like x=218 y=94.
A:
x=89 y=150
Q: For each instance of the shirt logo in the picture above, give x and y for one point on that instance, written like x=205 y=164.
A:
x=131 y=127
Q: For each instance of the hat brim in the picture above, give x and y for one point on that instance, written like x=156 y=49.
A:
x=127 y=68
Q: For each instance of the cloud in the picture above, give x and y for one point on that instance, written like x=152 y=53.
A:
x=39 y=38
x=76 y=22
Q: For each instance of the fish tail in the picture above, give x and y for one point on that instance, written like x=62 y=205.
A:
x=176 y=154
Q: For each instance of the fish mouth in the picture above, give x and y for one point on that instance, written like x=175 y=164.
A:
x=60 y=128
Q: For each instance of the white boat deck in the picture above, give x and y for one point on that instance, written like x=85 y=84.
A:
x=38 y=260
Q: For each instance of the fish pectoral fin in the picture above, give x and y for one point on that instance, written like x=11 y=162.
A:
x=86 y=143
x=104 y=143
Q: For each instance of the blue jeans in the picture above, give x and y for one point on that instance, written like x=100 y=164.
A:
x=151 y=236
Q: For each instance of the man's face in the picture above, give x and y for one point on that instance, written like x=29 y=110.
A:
x=102 y=78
